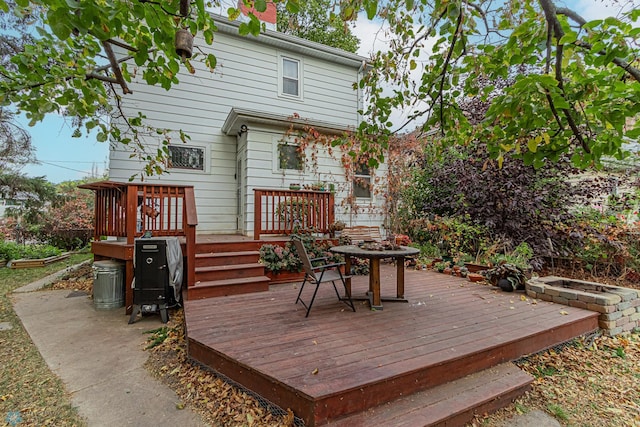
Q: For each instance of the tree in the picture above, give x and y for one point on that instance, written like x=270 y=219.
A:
x=15 y=142
x=575 y=83
x=580 y=89
x=70 y=67
x=318 y=21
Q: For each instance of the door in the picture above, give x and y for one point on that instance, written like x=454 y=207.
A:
x=239 y=198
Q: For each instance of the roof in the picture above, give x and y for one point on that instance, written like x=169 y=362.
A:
x=294 y=44
x=239 y=116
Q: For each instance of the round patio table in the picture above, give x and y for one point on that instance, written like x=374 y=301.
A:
x=374 y=257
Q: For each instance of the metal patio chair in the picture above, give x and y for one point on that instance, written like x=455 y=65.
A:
x=318 y=271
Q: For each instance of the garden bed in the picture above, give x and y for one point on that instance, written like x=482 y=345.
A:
x=619 y=307
x=31 y=263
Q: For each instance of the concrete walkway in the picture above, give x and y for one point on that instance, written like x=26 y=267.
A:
x=100 y=359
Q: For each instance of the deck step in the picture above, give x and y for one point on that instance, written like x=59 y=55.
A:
x=229 y=246
x=450 y=404
x=225 y=287
x=211 y=259
x=233 y=271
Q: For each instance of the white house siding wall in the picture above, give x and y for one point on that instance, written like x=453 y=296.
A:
x=262 y=172
x=246 y=77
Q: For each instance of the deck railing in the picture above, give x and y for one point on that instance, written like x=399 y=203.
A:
x=130 y=210
x=281 y=211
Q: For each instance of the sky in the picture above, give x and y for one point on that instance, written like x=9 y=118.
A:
x=62 y=157
x=65 y=158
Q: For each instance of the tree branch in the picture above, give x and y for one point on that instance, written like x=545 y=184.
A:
x=551 y=17
x=626 y=66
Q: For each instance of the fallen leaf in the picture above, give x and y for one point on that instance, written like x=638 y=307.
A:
x=523 y=298
x=564 y=313
x=314 y=372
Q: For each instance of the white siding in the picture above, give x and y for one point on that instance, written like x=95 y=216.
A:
x=246 y=77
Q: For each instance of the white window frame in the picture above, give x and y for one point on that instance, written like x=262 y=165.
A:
x=277 y=141
x=206 y=160
x=367 y=178
x=281 y=77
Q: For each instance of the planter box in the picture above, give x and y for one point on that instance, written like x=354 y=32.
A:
x=284 y=276
x=474 y=268
x=31 y=263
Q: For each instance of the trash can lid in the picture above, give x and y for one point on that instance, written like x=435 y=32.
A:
x=108 y=264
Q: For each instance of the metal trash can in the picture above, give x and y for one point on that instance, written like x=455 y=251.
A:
x=108 y=284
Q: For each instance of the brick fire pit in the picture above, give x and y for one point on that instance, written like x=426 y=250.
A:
x=619 y=307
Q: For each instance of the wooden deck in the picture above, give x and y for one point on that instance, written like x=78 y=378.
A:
x=336 y=362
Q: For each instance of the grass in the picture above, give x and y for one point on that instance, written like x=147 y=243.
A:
x=30 y=394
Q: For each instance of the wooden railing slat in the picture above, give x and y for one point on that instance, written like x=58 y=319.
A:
x=308 y=208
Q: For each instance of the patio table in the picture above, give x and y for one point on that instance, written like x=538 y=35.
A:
x=374 y=257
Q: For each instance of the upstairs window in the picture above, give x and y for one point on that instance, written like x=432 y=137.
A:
x=289 y=157
x=187 y=158
x=290 y=74
x=362 y=181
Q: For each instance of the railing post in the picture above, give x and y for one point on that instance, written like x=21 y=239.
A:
x=191 y=220
x=257 y=214
x=131 y=212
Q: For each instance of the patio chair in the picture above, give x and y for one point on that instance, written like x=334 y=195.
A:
x=318 y=271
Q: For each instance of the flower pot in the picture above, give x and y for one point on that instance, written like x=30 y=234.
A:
x=284 y=276
x=474 y=277
x=474 y=268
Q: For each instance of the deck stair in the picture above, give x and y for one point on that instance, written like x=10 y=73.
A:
x=228 y=268
x=454 y=403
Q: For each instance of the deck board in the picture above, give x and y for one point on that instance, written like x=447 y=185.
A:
x=450 y=327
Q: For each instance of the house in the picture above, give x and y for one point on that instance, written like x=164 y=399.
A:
x=257 y=129
x=244 y=121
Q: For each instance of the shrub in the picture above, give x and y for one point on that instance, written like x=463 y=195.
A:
x=11 y=250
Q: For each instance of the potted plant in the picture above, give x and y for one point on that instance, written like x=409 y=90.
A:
x=335 y=228
x=441 y=266
x=508 y=277
x=294 y=186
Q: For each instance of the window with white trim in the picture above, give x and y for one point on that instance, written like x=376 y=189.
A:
x=289 y=157
x=362 y=181
x=186 y=158
x=290 y=75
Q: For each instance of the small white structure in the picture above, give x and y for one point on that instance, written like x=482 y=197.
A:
x=239 y=119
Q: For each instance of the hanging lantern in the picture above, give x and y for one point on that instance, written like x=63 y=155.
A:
x=184 y=43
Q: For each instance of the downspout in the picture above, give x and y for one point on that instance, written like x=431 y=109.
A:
x=360 y=93
x=360 y=108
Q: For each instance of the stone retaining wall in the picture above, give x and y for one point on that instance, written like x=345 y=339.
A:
x=619 y=307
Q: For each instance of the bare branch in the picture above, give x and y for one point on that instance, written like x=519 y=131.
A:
x=115 y=67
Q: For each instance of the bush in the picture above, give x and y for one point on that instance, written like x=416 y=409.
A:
x=11 y=250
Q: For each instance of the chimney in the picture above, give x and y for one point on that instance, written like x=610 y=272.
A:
x=268 y=16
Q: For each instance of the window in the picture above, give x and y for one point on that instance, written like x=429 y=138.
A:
x=290 y=157
x=362 y=181
x=188 y=158
x=290 y=78
x=290 y=75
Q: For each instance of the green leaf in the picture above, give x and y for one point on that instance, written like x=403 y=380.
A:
x=568 y=38
x=293 y=6
x=58 y=20
x=4 y=7
x=244 y=29
x=371 y=7
x=260 y=5
x=233 y=13
x=532 y=145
